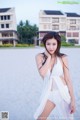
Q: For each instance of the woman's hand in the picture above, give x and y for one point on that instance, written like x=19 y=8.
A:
x=47 y=54
x=73 y=107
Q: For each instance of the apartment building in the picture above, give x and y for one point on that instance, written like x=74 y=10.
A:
x=73 y=27
x=67 y=24
x=8 y=26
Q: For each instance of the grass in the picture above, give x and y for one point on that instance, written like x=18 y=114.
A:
x=67 y=45
x=16 y=46
x=63 y=44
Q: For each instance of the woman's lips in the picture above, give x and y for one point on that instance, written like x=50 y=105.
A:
x=51 y=50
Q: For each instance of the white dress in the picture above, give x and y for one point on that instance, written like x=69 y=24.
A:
x=57 y=92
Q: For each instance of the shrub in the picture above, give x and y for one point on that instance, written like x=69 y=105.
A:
x=24 y=45
x=67 y=44
x=6 y=45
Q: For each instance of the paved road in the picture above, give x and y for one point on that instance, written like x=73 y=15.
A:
x=21 y=84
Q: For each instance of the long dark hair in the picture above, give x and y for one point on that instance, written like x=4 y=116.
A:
x=56 y=36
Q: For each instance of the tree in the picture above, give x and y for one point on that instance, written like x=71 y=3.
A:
x=26 y=32
x=63 y=38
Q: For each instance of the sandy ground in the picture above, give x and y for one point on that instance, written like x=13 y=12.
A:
x=21 y=84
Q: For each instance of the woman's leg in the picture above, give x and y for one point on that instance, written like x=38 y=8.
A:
x=47 y=110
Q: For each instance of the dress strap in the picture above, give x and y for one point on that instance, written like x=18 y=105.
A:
x=44 y=57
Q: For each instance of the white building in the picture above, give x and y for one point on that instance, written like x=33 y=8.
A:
x=67 y=24
x=73 y=27
x=8 y=26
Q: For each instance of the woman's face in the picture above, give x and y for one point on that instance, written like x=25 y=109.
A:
x=51 y=45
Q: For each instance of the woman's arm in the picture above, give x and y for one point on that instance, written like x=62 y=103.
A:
x=67 y=76
x=42 y=69
x=69 y=82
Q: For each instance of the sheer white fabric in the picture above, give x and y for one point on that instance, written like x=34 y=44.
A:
x=58 y=93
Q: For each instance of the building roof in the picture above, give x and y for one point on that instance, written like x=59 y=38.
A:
x=4 y=9
x=72 y=15
x=53 y=12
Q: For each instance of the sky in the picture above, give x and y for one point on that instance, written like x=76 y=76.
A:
x=29 y=9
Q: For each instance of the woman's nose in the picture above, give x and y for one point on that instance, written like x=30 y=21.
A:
x=51 y=47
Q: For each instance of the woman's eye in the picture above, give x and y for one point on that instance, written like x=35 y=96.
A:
x=48 y=44
x=54 y=43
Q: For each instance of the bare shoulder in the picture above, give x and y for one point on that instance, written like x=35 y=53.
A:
x=39 y=56
x=65 y=62
x=65 y=59
x=39 y=60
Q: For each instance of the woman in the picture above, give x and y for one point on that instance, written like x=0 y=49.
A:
x=57 y=97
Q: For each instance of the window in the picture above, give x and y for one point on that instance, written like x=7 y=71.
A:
x=1 y=17
x=11 y=34
x=5 y=35
x=75 y=34
x=55 y=27
x=68 y=34
x=5 y=17
x=8 y=17
x=73 y=21
x=72 y=27
x=7 y=25
x=55 y=20
x=2 y=25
